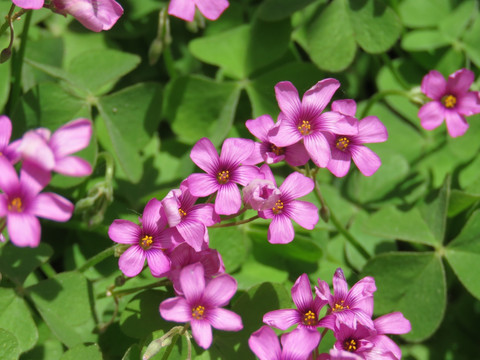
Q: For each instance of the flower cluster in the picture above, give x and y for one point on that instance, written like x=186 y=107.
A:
x=21 y=199
x=349 y=316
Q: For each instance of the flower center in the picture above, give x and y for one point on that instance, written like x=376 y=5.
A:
x=15 y=205
x=198 y=312
x=223 y=176
x=449 y=101
x=182 y=212
x=277 y=150
x=339 y=306
x=278 y=207
x=304 y=127
x=342 y=143
x=146 y=242
x=309 y=318
x=350 y=345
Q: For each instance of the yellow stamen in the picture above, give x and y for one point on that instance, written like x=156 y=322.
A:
x=449 y=101
x=339 y=306
x=304 y=127
x=15 y=205
x=342 y=143
x=278 y=207
x=182 y=212
x=223 y=176
x=198 y=312
x=146 y=242
x=350 y=345
x=277 y=150
x=309 y=318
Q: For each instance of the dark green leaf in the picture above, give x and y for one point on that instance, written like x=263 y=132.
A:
x=231 y=243
x=272 y=10
x=90 y=352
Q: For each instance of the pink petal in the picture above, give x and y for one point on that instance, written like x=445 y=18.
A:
x=235 y=151
x=29 y=4
x=317 y=97
x=23 y=229
x=183 y=9
x=8 y=180
x=202 y=184
x=202 y=333
x=456 y=123
x=434 y=85
x=339 y=164
x=339 y=124
x=229 y=199
x=124 y=232
x=176 y=309
x=371 y=130
x=296 y=185
x=212 y=9
x=323 y=292
x=33 y=177
x=6 y=132
x=193 y=282
x=280 y=230
x=318 y=149
x=152 y=220
x=71 y=137
x=282 y=319
x=157 y=261
x=34 y=148
x=244 y=174
x=73 y=166
x=3 y=205
x=431 y=115
x=296 y=154
x=366 y=160
x=52 y=206
x=203 y=213
x=285 y=133
x=346 y=107
x=265 y=345
x=193 y=233
x=220 y=290
x=394 y=323
x=460 y=81
x=468 y=104
x=360 y=295
x=256 y=157
x=299 y=343
x=303 y=213
x=385 y=345
x=205 y=156
x=302 y=293
x=132 y=260
x=340 y=286
x=226 y=320
x=288 y=100
x=260 y=126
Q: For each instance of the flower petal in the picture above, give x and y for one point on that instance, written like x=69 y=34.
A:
x=285 y=132
x=431 y=115
x=393 y=323
x=456 y=123
x=193 y=282
x=152 y=219
x=229 y=199
x=176 y=309
x=33 y=177
x=299 y=343
x=6 y=132
x=182 y=9
x=71 y=137
x=303 y=213
x=460 y=81
x=265 y=345
x=23 y=229
x=366 y=160
x=318 y=148
x=468 y=104
x=282 y=319
x=296 y=185
x=202 y=184
x=223 y=319
x=9 y=180
x=280 y=230
x=340 y=286
x=212 y=9
x=316 y=99
x=29 y=4
x=360 y=295
x=288 y=99
x=205 y=156
x=235 y=151
x=371 y=130
x=339 y=164
x=73 y=166
x=220 y=290
x=157 y=261
x=302 y=293
x=296 y=154
x=202 y=333
x=34 y=148
x=124 y=232
x=193 y=233
x=244 y=174
x=132 y=260
x=434 y=85
x=345 y=107
x=52 y=206
x=260 y=127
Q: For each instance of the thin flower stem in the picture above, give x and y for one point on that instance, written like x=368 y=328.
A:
x=235 y=215
x=379 y=96
x=15 y=16
x=109 y=165
x=120 y=293
x=170 y=347
x=97 y=258
x=240 y=222
x=48 y=270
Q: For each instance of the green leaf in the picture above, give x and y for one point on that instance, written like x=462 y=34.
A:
x=457 y=21
x=15 y=317
x=17 y=263
x=422 y=40
x=90 y=352
x=414 y=284
x=245 y=49
x=472 y=42
x=231 y=243
x=200 y=107
x=64 y=304
x=460 y=201
x=9 y=349
x=419 y=14
x=463 y=255
x=4 y=85
x=273 y=10
x=97 y=70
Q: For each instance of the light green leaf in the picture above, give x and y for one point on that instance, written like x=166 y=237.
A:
x=457 y=21
x=231 y=243
x=422 y=40
x=418 y=14
x=414 y=284
x=90 y=352
x=472 y=42
x=9 y=348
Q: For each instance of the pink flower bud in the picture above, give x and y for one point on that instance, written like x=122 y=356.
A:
x=261 y=194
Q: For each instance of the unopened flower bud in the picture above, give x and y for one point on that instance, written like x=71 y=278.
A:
x=261 y=194
x=5 y=55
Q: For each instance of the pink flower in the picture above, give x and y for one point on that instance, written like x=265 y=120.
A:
x=185 y=9
x=147 y=240
x=261 y=194
x=347 y=147
x=29 y=4
x=21 y=203
x=304 y=120
x=287 y=208
x=7 y=149
x=297 y=345
x=189 y=220
x=348 y=307
x=95 y=15
x=201 y=304
x=451 y=101
x=51 y=152
x=306 y=314
x=294 y=155
x=223 y=172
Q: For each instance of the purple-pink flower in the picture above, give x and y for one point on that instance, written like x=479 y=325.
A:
x=223 y=172
x=201 y=304
x=287 y=208
x=95 y=15
x=296 y=345
x=29 y=4
x=52 y=152
x=304 y=121
x=347 y=147
x=261 y=194
x=185 y=9
x=452 y=101
x=147 y=241
x=7 y=149
x=21 y=202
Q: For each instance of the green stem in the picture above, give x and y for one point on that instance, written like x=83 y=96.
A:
x=15 y=16
x=48 y=270
x=124 y=292
x=97 y=258
x=394 y=71
x=241 y=222
x=109 y=165
x=170 y=347
x=234 y=215
x=381 y=95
